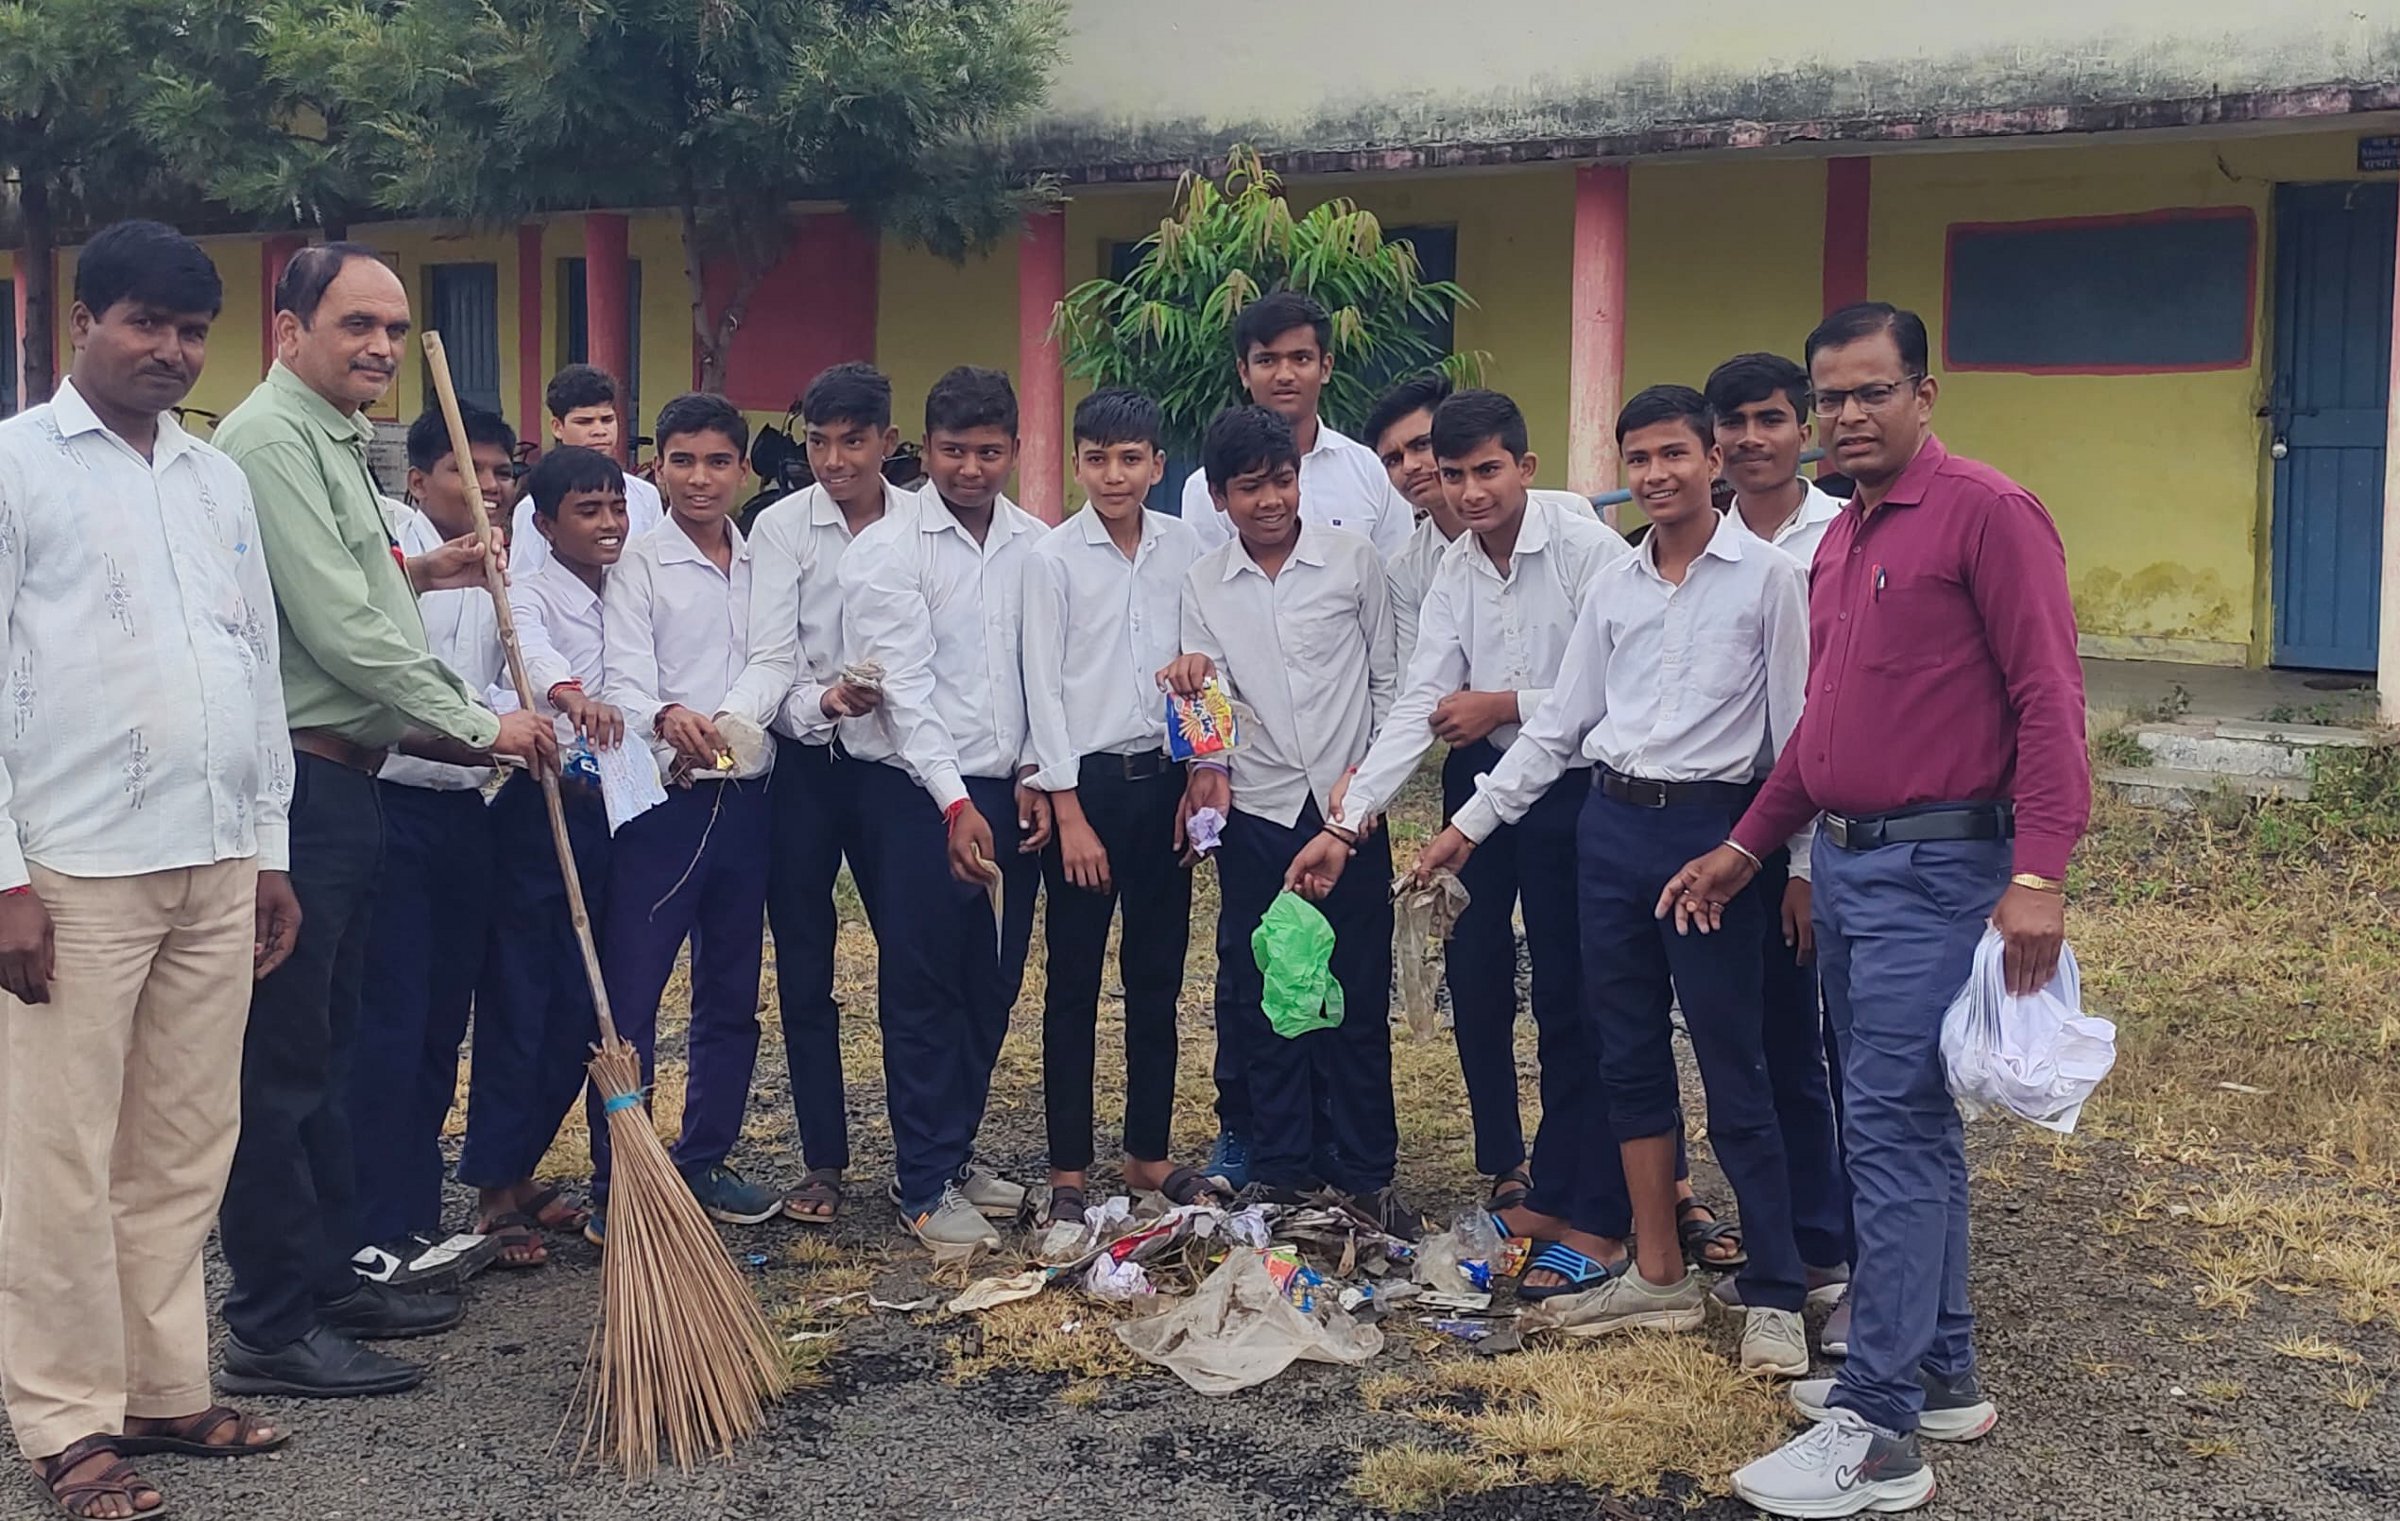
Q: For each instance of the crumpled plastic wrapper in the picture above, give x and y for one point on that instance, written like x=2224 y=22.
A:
x=1117 y=1282
x=989 y=1293
x=864 y=673
x=747 y=743
x=1239 y=1329
x=1422 y=920
x=1204 y=831
x=1070 y=1240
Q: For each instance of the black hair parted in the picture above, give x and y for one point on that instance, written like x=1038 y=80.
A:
x=1865 y=319
x=1471 y=419
x=1745 y=380
x=850 y=392
x=971 y=397
x=1119 y=415
x=1418 y=393
x=1243 y=439
x=702 y=412
x=429 y=435
x=311 y=272
x=1277 y=313
x=568 y=469
x=1664 y=404
x=579 y=386
x=149 y=263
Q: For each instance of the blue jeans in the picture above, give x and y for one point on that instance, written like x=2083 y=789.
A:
x=1897 y=929
x=1797 y=1066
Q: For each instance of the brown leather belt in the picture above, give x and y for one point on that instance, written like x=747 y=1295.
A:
x=324 y=744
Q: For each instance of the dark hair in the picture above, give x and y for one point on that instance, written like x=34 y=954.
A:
x=1470 y=419
x=851 y=392
x=429 y=435
x=1661 y=404
x=1119 y=415
x=1277 y=313
x=148 y=262
x=1865 y=320
x=1243 y=439
x=1418 y=393
x=1745 y=380
x=702 y=412
x=971 y=397
x=311 y=271
x=567 y=469
x=579 y=386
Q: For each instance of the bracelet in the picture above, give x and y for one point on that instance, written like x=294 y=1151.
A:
x=18 y=891
x=2038 y=883
x=556 y=687
x=951 y=813
x=1349 y=840
x=1217 y=766
x=1744 y=851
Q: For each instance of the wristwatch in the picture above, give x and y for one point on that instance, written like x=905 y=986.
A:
x=2038 y=884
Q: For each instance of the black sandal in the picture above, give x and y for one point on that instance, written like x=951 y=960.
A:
x=1697 y=1235
x=1065 y=1207
x=117 y=1481
x=184 y=1438
x=567 y=1221
x=818 y=1199
x=1510 y=1189
x=1187 y=1185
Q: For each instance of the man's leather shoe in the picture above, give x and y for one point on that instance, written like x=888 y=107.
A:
x=377 y=1312
x=323 y=1365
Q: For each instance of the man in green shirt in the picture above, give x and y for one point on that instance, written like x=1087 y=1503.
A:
x=357 y=680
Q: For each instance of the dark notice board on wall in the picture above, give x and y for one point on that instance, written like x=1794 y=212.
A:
x=2168 y=290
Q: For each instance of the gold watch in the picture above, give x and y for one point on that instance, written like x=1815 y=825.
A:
x=2038 y=884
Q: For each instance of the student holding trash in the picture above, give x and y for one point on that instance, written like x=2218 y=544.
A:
x=1493 y=628
x=1944 y=742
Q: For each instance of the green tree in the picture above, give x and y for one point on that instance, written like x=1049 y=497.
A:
x=1166 y=329
x=728 y=111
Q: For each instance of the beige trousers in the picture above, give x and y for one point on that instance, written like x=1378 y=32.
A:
x=120 y=1100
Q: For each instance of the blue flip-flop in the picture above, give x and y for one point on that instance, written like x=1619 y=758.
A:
x=1582 y=1274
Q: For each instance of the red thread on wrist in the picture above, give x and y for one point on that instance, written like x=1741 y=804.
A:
x=17 y=891
x=568 y=685
x=951 y=813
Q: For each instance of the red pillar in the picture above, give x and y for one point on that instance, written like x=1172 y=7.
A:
x=1041 y=381
x=531 y=372
x=1849 y=193
x=605 y=300
x=1596 y=352
x=16 y=361
x=273 y=256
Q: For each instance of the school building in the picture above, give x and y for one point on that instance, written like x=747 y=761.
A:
x=2155 y=246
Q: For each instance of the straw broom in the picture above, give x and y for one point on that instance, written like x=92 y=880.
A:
x=681 y=1351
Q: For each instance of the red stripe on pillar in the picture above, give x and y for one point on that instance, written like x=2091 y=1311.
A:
x=1849 y=194
x=608 y=336
x=1041 y=380
x=530 y=376
x=1596 y=353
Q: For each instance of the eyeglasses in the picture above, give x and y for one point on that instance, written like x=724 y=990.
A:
x=1872 y=398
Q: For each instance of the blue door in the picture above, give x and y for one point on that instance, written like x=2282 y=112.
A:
x=2327 y=403
x=463 y=302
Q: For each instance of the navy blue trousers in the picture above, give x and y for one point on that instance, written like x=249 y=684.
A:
x=1897 y=929
x=946 y=975
x=534 y=1022
x=1795 y=1041
x=1321 y=1102
x=1637 y=967
x=694 y=867
x=425 y=953
x=817 y=823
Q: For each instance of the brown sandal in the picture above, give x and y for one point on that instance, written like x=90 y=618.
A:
x=550 y=1210
x=187 y=1436
x=518 y=1240
x=818 y=1199
x=117 y=1481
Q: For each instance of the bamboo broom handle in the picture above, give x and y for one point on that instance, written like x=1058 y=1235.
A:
x=497 y=585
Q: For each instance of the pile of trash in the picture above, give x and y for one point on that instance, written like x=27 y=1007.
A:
x=1238 y=1295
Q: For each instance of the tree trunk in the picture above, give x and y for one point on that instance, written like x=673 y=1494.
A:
x=37 y=266
x=712 y=337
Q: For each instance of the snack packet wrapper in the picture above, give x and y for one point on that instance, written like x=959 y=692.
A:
x=1202 y=726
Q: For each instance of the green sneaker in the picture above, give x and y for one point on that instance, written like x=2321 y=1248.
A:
x=732 y=1198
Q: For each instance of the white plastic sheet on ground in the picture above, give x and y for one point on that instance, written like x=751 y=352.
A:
x=1238 y=1330
x=2038 y=1057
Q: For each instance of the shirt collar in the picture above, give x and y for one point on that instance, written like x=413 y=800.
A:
x=340 y=426
x=934 y=516
x=1816 y=506
x=1327 y=439
x=1308 y=549
x=1917 y=478
x=75 y=417
x=674 y=544
x=569 y=585
x=1095 y=530
x=1725 y=544
x=825 y=512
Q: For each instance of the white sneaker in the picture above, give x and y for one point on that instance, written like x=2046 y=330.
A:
x=991 y=1193
x=1630 y=1302
x=1835 y=1338
x=1954 y=1411
x=1774 y=1342
x=1838 y=1467
x=952 y=1222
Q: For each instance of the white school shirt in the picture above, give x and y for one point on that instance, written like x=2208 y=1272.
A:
x=1690 y=683
x=1098 y=628
x=1309 y=656
x=942 y=614
x=1342 y=485
x=1801 y=533
x=463 y=633
x=528 y=551
x=676 y=631
x=562 y=631
x=143 y=726
x=1411 y=571
x=796 y=649
x=1487 y=633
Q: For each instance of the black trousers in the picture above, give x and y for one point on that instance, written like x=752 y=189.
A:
x=813 y=794
x=1135 y=820
x=290 y=1218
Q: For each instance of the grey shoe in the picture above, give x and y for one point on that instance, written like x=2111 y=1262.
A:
x=1774 y=1342
x=951 y=1222
x=1956 y=1410
x=1838 y=1467
x=1835 y=1338
x=1628 y=1302
x=991 y=1193
x=1825 y=1286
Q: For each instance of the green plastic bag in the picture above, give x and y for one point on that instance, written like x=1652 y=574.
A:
x=1294 y=947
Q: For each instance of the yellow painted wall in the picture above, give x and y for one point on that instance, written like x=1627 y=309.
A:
x=1726 y=259
x=932 y=314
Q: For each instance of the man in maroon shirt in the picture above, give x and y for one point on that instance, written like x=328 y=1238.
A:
x=1944 y=742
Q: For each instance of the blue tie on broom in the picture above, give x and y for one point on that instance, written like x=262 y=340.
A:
x=682 y=1354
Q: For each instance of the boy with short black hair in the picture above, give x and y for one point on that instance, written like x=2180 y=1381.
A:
x=694 y=867
x=534 y=1020
x=1102 y=594
x=794 y=684
x=1296 y=619
x=934 y=593
x=433 y=916
x=1685 y=666
x=582 y=400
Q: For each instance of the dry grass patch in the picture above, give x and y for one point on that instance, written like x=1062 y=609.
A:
x=1049 y=1333
x=2356 y=1392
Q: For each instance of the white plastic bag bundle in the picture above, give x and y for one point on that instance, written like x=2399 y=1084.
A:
x=2037 y=1057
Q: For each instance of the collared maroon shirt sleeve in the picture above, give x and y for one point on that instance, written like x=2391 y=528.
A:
x=1942 y=666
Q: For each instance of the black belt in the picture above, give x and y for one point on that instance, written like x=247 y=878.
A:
x=1131 y=768
x=1643 y=793
x=1916 y=826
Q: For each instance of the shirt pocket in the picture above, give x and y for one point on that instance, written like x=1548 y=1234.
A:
x=1724 y=661
x=1915 y=626
x=1313 y=642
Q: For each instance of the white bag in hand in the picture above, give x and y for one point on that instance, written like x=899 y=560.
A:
x=2037 y=1057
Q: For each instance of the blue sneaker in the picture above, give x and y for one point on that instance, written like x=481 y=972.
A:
x=732 y=1198
x=595 y=1229
x=1229 y=1159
